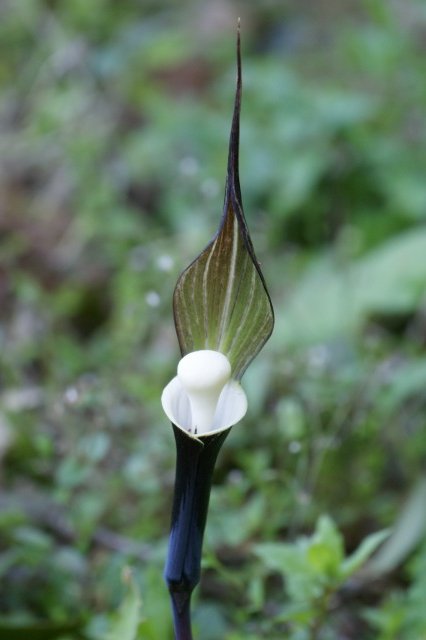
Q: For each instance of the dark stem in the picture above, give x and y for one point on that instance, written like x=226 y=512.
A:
x=181 y=607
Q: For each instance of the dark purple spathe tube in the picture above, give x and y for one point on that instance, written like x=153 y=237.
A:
x=195 y=461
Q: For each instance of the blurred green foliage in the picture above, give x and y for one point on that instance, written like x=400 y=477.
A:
x=114 y=120
x=315 y=569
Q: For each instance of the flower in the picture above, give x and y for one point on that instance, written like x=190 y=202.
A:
x=202 y=400
x=223 y=317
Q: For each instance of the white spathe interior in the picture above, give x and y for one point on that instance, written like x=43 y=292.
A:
x=231 y=407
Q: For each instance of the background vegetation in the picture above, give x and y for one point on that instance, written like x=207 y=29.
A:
x=114 y=118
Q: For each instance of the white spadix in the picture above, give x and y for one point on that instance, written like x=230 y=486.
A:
x=203 y=374
x=203 y=399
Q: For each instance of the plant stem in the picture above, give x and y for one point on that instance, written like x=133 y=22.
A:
x=322 y=610
x=181 y=607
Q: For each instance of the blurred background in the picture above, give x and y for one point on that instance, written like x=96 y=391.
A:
x=114 y=123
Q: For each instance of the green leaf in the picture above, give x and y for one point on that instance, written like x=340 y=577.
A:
x=290 y=560
x=312 y=566
x=309 y=564
x=126 y=622
x=221 y=301
x=363 y=552
x=408 y=531
x=325 y=551
x=281 y=557
x=334 y=298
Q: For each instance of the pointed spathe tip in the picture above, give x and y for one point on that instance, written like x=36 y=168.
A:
x=239 y=50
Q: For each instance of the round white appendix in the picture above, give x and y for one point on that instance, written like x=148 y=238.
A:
x=203 y=399
x=203 y=375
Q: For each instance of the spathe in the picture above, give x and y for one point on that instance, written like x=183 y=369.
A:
x=195 y=461
x=231 y=407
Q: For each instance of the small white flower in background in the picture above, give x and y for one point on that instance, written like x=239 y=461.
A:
x=210 y=187
x=71 y=395
x=165 y=262
x=152 y=299
x=189 y=166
